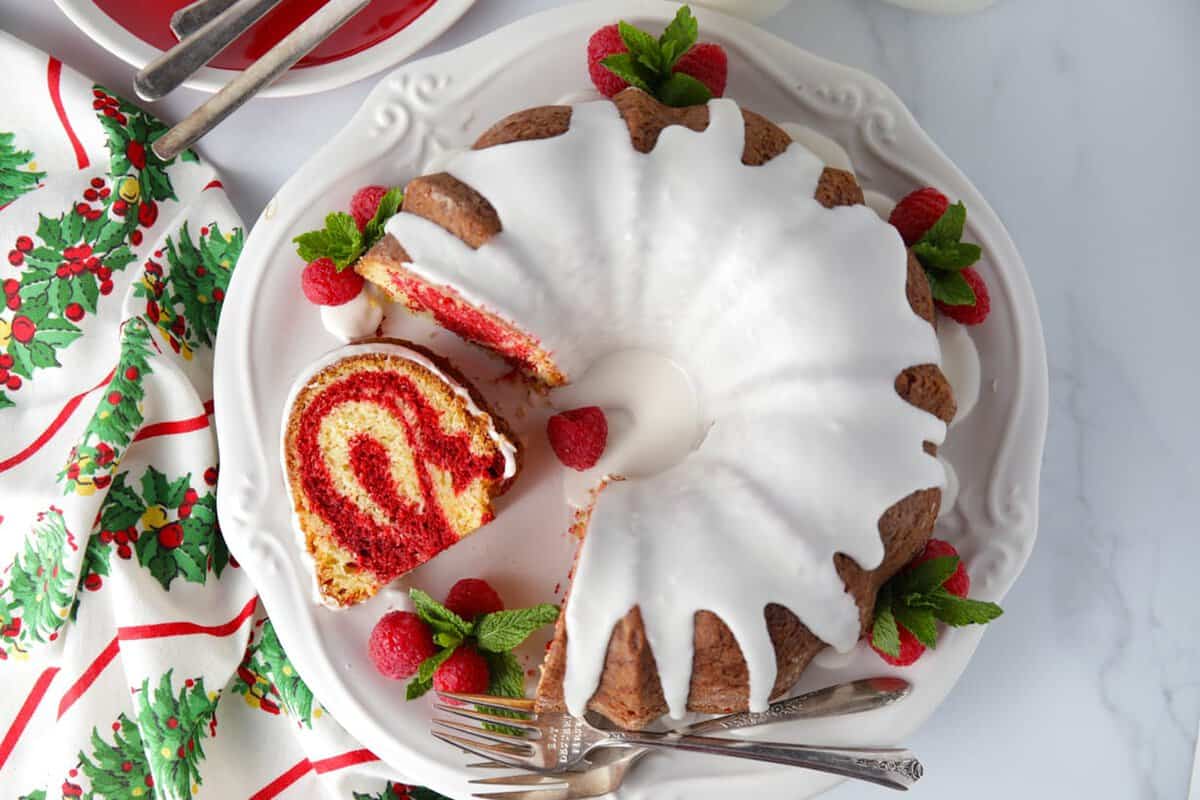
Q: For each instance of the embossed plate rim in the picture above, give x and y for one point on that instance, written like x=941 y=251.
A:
x=428 y=106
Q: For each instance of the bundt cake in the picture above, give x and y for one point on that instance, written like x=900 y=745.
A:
x=390 y=458
x=806 y=475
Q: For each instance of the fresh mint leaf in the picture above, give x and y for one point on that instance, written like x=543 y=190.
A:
x=507 y=677
x=339 y=241
x=417 y=688
x=447 y=639
x=642 y=46
x=920 y=622
x=959 y=611
x=950 y=288
x=389 y=205
x=437 y=615
x=948 y=229
x=681 y=90
x=503 y=630
x=680 y=35
x=430 y=665
x=625 y=67
x=928 y=576
x=885 y=635
x=950 y=256
x=507 y=680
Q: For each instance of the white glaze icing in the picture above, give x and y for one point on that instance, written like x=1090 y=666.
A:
x=820 y=145
x=329 y=359
x=789 y=322
x=960 y=364
x=356 y=318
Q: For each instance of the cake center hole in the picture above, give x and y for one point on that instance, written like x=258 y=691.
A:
x=653 y=410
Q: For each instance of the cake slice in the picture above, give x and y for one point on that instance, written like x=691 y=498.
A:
x=390 y=457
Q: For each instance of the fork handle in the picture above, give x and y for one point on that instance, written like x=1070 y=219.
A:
x=891 y=767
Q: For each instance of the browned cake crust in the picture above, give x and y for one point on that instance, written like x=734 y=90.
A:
x=629 y=692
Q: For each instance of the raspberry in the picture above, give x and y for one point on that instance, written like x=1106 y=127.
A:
x=473 y=597
x=917 y=212
x=464 y=672
x=970 y=315
x=707 y=63
x=578 y=436
x=399 y=642
x=604 y=43
x=910 y=650
x=325 y=286
x=957 y=584
x=365 y=203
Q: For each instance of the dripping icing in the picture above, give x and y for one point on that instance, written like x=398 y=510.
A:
x=738 y=277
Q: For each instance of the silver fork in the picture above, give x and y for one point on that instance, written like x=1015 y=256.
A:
x=554 y=742
x=605 y=770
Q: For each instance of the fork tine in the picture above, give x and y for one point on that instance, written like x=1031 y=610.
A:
x=562 y=793
x=488 y=765
x=500 y=752
x=491 y=701
x=523 y=779
x=491 y=736
x=482 y=716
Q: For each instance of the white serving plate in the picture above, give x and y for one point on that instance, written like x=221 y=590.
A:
x=418 y=113
x=110 y=35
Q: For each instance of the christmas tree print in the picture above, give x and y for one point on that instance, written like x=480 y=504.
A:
x=172 y=728
x=184 y=300
x=119 y=770
x=117 y=417
x=168 y=525
x=398 y=791
x=267 y=679
x=67 y=264
x=37 y=595
x=17 y=173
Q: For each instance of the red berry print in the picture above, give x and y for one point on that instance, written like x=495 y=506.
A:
x=24 y=244
x=91 y=194
x=126 y=766
x=106 y=287
x=92 y=582
x=135 y=151
x=11 y=286
x=106 y=537
x=13 y=302
x=124 y=552
x=135 y=238
x=16 y=258
x=210 y=476
x=131 y=373
x=148 y=213
x=97 y=183
x=171 y=536
x=74 y=312
x=473 y=597
x=23 y=329
x=399 y=642
x=114 y=398
x=190 y=497
x=120 y=207
x=172 y=723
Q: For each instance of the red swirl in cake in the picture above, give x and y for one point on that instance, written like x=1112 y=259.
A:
x=389 y=462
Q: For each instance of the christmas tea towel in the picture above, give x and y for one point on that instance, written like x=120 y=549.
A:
x=134 y=659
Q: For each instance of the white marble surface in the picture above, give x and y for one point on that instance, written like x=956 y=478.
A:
x=1078 y=120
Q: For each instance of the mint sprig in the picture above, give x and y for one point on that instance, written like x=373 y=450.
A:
x=649 y=65
x=494 y=635
x=341 y=241
x=944 y=255
x=917 y=600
